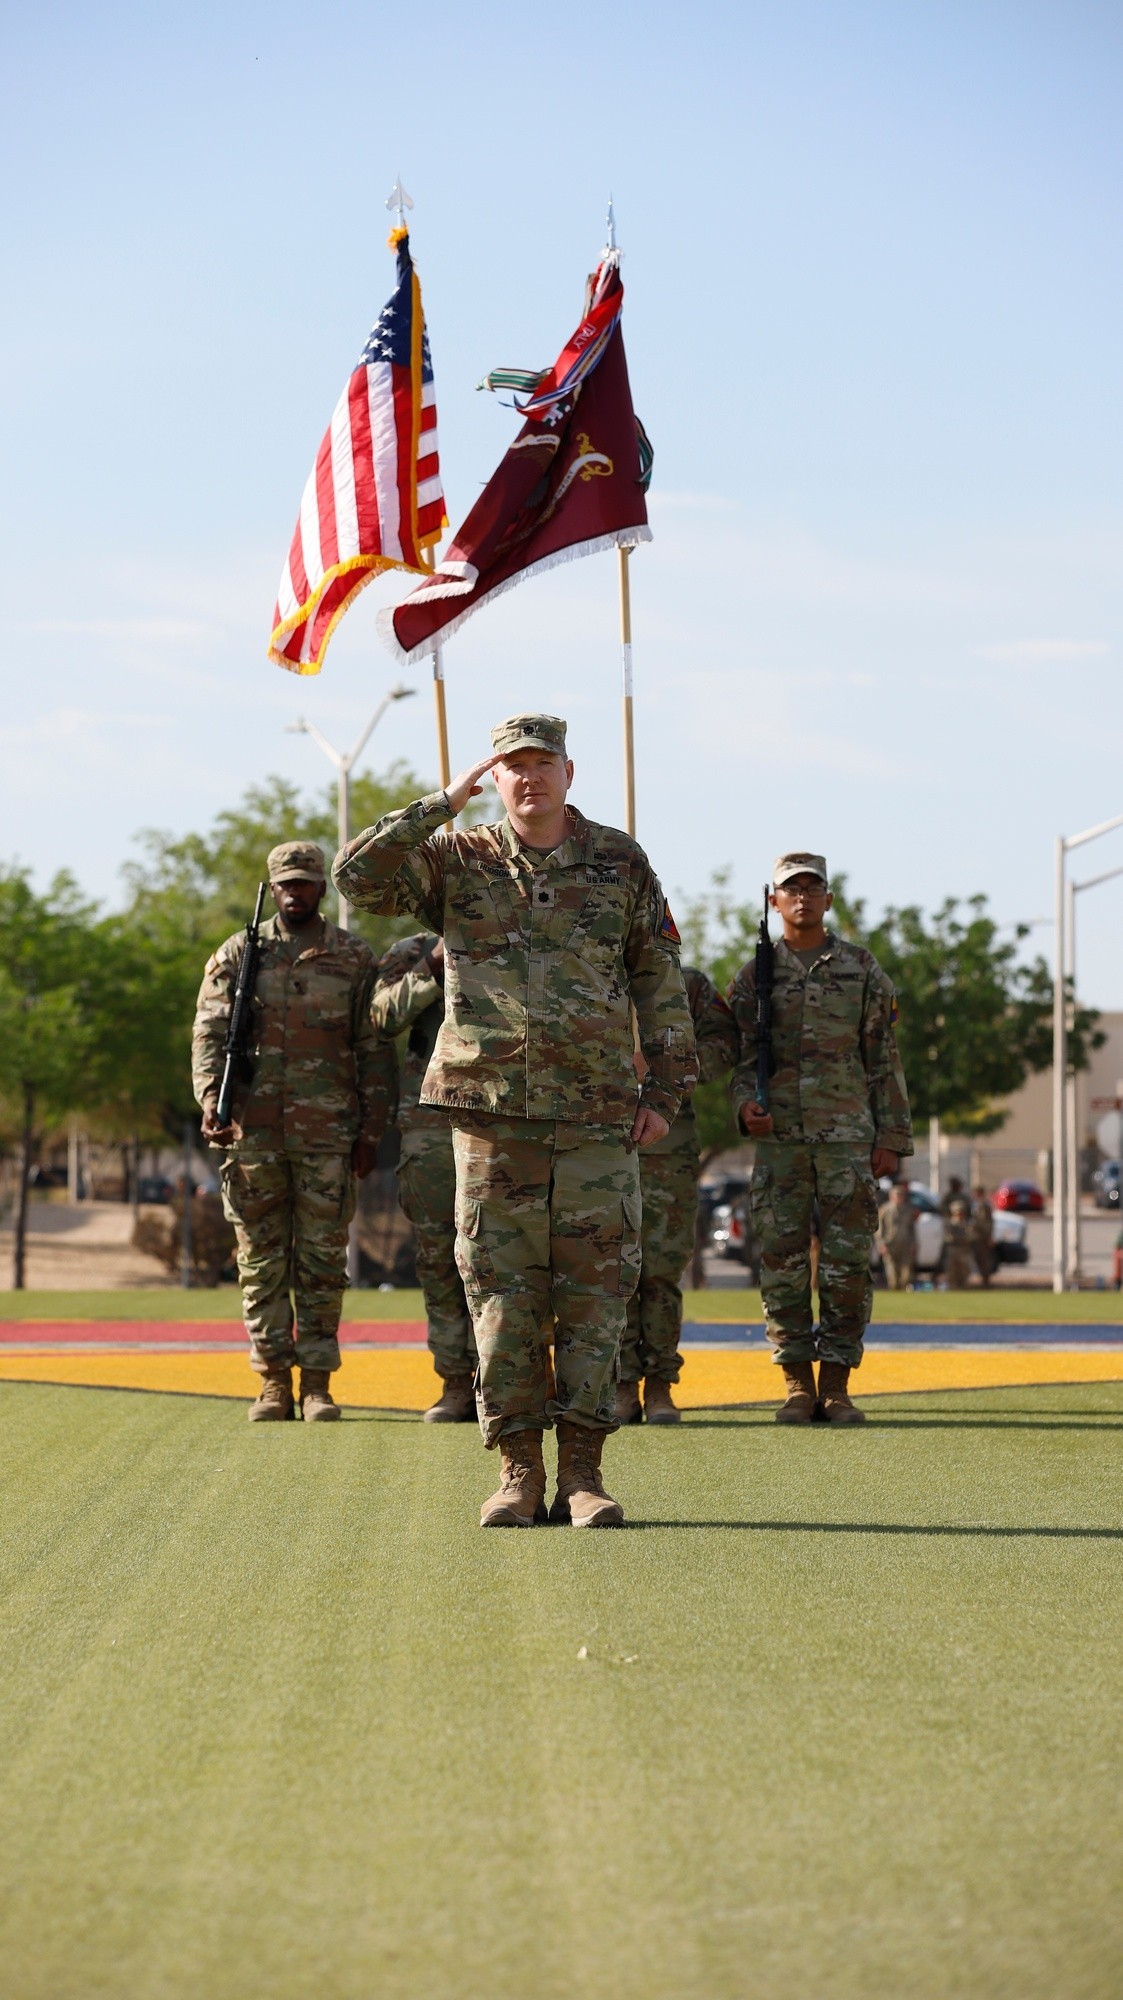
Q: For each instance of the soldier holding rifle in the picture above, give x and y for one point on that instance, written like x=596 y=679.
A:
x=819 y=1086
x=296 y=1082
x=554 y=930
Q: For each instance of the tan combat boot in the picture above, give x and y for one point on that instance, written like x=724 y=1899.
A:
x=521 y=1499
x=799 y=1405
x=274 y=1403
x=316 y=1405
x=658 y=1404
x=581 y=1499
x=628 y=1410
x=456 y=1403
x=834 y=1403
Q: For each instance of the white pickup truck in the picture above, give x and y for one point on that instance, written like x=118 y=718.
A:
x=1010 y=1244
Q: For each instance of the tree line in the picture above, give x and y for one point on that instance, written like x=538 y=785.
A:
x=96 y=1009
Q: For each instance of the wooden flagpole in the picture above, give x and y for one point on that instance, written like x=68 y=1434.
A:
x=624 y=555
x=429 y=560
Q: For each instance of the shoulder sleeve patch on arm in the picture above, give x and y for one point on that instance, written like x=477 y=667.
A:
x=668 y=928
x=894 y=1011
x=211 y=965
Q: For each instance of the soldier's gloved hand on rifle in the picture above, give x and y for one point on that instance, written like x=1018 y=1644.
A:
x=757 y=1123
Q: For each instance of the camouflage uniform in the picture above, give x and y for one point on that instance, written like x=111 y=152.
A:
x=896 y=1235
x=982 y=1236
x=668 y=1173
x=958 y=1241
x=545 y=957
x=408 y=996
x=322 y=1078
x=837 y=1092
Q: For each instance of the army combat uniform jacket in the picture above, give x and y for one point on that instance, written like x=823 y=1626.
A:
x=544 y=957
x=838 y=1077
x=715 y=1036
x=407 y=997
x=323 y=1076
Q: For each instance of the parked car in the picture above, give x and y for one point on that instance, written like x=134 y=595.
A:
x=1021 y=1196
x=154 y=1188
x=1105 y=1185
x=732 y=1234
x=1010 y=1243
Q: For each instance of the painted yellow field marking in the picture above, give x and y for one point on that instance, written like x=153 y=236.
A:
x=404 y=1379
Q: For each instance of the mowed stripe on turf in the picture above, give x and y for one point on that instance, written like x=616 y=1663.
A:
x=403 y=1378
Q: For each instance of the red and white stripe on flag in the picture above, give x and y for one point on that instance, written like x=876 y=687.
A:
x=373 y=499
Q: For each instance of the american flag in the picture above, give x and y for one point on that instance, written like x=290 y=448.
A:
x=373 y=500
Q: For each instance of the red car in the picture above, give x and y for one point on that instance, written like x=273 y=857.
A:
x=1022 y=1196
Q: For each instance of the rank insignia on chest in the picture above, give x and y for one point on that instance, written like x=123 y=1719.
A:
x=542 y=893
x=668 y=928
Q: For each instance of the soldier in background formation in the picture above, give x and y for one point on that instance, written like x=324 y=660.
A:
x=896 y=1237
x=668 y=1175
x=838 y=1120
x=322 y=1091
x=554 y=930
x=982 y=1233
x=958 y=1241
x=410 y=996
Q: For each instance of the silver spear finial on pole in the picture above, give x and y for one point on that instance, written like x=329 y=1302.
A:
x=399 y=199
x=611 y=225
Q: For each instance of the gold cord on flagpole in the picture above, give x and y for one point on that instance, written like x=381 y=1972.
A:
x=629 y=732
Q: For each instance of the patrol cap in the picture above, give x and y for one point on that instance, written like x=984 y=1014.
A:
x=296 y=861
x=787 y=865
x=529 y=732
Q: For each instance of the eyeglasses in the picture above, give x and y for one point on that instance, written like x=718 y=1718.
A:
x=802 y=889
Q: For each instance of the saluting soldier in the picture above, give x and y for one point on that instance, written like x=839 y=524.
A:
x=304 y=1125
x=838 y=1120
x=668 y=1173
x=554 y=929
x=410 y=997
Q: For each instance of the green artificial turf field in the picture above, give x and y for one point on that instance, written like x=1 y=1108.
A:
x=836 y=1715
x=161 y=1303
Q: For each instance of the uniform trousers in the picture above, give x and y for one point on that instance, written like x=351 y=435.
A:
x=427 y=1192
x=789 y=1180
x=669 y=1189
x=291 y=1213
x=547 y=1229
x=899 y=1262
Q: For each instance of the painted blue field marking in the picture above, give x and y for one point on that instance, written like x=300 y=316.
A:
x=1027 y=1336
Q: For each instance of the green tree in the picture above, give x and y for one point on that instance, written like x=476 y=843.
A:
x=47 y=1025
x=975 y=1019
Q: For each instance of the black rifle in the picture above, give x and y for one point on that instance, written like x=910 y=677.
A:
x=236 y=1046
x=765 y=964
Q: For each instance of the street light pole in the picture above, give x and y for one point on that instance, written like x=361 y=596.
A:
x=1072 y=1131
x=344 y=765
x=1064 y=846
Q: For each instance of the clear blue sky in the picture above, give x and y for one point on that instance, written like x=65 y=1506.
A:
x=874 y=329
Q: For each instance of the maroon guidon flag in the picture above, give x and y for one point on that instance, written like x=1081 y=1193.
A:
x=574 y=480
